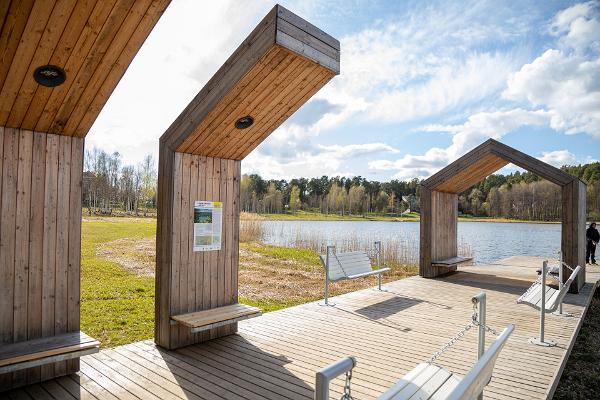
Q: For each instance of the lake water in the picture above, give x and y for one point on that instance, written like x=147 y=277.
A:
x=485 y=241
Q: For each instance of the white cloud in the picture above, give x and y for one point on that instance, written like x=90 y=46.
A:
x=567 y=85
x=558 y=158
x=473 y=132
x=189 y=43
x=566 y=81
x=426 y=64
x=309 y=160
x=561 y=85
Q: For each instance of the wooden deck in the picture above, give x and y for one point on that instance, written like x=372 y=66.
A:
x=276 y=356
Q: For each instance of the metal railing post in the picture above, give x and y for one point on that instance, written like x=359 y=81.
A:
x=541 y=340
x=543 y=301
x=378 y=250
x=329 y=249
x=560 y=279
x=480 y=302
x=325 y=375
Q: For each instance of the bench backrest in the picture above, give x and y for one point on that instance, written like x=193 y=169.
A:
x=480 y=374
x=342 y=265
x=563 y=291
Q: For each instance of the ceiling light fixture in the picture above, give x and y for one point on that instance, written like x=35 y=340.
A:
x=49 y=75
x=244 y=122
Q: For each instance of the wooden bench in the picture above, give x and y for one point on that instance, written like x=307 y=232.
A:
x=450 y=262
x=32 y=353
x=208 y=319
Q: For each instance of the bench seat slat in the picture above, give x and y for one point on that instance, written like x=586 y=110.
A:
x=16 y=356
x=451 y=261
x=373 y=272
x=226 y=314
x=8 y=351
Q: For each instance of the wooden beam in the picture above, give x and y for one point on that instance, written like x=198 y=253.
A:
x=283 y=62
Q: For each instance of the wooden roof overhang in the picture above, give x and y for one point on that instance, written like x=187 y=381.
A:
x=486 y=159
x=282 y=64
x=93 y=41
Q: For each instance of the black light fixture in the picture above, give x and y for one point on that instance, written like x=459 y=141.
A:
x=244 y=122
x=49 y=75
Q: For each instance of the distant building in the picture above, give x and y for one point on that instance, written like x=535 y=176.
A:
x=412 y=201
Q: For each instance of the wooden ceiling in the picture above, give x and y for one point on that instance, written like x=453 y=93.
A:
x=281 y=65
x=486 y=159
x=94 y=41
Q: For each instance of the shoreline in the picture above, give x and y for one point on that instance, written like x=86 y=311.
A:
x=334 y=218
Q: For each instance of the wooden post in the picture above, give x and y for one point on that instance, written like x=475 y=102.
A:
x=438 y=217
x=277 y=68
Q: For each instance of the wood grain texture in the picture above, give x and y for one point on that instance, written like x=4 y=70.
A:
x=438 y=223
x=283 y=57
x=93 y=41
x=390 y=332
x=196 y=281
x=40 y=242
x=484 y=160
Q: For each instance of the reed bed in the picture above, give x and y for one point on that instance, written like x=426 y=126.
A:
x=401 y=248
x=251 y=230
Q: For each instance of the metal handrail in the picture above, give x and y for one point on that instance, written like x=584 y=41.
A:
x=330 y=372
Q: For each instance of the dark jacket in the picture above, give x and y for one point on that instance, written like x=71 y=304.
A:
x=592 y=234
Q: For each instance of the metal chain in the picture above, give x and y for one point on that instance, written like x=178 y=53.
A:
x=447 y=346
x=347 y=387
x=461 y=334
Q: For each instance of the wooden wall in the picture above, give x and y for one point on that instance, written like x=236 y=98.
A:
x=190 y=281
x=438 y=236
x=573 y=228
x=40 y=241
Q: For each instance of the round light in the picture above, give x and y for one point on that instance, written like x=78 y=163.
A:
x=49 y=75
x=244 y=122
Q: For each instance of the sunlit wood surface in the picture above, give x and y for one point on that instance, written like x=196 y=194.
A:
x=276 y=356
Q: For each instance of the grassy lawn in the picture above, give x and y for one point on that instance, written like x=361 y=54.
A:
x=117 y=306
x=117 y=282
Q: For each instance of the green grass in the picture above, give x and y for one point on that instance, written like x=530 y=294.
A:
x=304 y=256
x=117 y=307
x=271 y=305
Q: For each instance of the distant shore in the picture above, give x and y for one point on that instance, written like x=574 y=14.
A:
x=411 y=217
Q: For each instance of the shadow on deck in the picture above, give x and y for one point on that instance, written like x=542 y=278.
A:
x=389 y=332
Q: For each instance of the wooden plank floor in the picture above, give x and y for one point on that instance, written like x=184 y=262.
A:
x=276 y=356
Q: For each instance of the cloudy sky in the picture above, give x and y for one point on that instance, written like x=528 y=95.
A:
x=422 y=83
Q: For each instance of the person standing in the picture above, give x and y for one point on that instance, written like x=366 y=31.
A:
x=593 y=237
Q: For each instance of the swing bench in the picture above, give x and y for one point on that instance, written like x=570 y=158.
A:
x=350 y=265
x=552 y=297
x=429 y=380
x=546 y=299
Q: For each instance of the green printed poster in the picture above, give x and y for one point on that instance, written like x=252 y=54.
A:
x=208 y=217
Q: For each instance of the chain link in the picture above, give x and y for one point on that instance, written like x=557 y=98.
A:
x=461 y=334
x=347 y=387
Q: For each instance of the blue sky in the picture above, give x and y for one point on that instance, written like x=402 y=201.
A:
x=422 y=82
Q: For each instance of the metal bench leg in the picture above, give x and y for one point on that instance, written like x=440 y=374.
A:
x=541 y=341
x=329 y=248
x=378 y=250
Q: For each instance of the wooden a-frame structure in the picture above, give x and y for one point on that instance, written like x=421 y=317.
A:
x=282 y=63
x=59 y=63
x=439 y=205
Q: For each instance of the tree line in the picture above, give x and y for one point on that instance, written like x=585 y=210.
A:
x=515 y=196
x=109 y=186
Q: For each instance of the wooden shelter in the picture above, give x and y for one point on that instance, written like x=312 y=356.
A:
x=439 y=206
x=277 y=68
x=59 y=63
